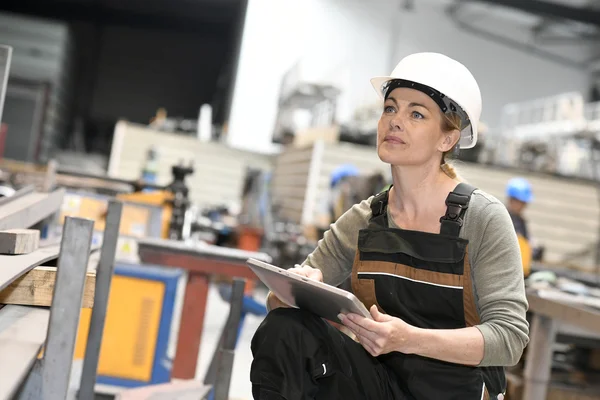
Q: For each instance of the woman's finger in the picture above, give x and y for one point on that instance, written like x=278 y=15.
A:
x=299 y=271
x=313 y=273
x=356 y=328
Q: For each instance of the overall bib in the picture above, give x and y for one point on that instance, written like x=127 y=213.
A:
x=424 y=279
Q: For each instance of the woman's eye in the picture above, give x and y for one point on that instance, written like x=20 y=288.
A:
x=417 y=115
x=388 y=109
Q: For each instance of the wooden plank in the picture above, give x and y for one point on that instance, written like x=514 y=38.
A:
x=36 y=288
x=30 y=209
x=19 y=241
x=22 y=333
x=12 y=267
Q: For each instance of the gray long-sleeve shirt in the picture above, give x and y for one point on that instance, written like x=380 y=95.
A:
x=495 y=264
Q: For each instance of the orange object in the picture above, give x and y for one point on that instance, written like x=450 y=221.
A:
x=249 y=239
x=161 y=198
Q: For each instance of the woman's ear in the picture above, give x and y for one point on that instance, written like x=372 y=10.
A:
x=450 y=139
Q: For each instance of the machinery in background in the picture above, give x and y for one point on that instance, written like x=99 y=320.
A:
x=179 y=201
x=303 y=103
x=215 y=224
x=347 y=187
x=282 y=239
x=173 y=198
x=286 y=242
x=553 y=135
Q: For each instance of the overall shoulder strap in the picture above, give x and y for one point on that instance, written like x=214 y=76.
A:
x=379 y=209
x=457 y=203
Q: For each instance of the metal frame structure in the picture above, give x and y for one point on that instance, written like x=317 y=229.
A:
x=5 y=58
x=551 y=14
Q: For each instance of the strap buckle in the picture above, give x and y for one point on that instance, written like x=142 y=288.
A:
x=455 y=206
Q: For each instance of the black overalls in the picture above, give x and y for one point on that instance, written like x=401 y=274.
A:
x=422 y=278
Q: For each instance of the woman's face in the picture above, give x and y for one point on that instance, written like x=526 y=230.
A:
x=409 y=130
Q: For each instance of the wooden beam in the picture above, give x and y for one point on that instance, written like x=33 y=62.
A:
x=12 y=267
x=19 y=241
x=36 y=288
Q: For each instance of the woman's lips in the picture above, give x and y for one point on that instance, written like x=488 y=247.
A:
x=394 y=140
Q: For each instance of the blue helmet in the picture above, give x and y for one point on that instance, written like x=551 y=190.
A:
x=520 y=189
x=342 y=172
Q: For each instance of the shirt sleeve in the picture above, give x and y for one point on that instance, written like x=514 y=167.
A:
x=500 y=289
x=334 y=254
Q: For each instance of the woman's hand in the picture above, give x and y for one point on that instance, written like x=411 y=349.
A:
x=384 y=334
x=306 y=271
x=309 y=272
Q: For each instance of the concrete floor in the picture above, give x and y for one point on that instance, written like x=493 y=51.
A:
x=216 y=315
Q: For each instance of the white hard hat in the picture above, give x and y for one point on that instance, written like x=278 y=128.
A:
x=454 y=88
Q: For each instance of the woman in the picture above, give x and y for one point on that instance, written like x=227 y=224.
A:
x=446 y=294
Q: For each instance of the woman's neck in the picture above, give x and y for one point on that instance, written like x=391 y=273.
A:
x=418 y=191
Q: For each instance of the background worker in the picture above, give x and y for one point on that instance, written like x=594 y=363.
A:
x=347 y=187
x=446 y=295
x=519 y=194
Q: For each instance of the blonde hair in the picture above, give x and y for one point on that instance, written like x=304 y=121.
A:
x=450 y=122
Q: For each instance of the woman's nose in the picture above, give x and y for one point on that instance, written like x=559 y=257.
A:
x=396 y=123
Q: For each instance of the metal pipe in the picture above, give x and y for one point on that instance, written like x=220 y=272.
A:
x=550 y=9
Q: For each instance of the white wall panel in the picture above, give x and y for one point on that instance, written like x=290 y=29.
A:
x=219 y=169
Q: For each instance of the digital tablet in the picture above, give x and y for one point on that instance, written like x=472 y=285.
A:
x=307 y=294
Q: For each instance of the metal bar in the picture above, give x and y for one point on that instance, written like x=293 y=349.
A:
x=452 y=11
x=538 y=363
x=30 y=209
x=50 y=378
x=135 y=183
x=211 y=373
x=104 y=274
x=586 y=15
x=227 y=351
x=5 y=59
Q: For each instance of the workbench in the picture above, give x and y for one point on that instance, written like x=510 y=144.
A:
x=201 y=261
x=551 y=317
